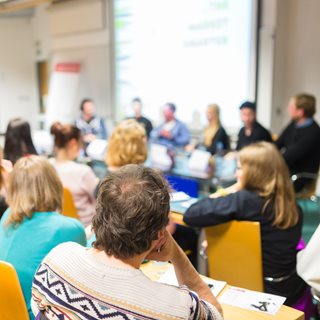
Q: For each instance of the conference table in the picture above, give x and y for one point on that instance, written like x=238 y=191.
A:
x=154 y=270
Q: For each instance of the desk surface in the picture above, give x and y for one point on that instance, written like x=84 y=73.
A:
x=154 y=270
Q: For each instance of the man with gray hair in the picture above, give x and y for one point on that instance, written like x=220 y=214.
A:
x=105 y=281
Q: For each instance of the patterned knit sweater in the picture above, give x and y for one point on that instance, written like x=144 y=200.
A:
x=71 y=284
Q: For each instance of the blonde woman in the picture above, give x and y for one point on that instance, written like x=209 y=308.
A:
x=214 y=136
x=78 y=178
x=263 y=193
x=32 y=225
x=127 y=145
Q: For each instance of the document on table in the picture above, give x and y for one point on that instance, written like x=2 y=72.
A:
x=252 y=300
x=169 y=277
x=179 y=196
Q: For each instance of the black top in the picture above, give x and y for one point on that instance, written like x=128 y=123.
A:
x=146 y=123
x=220 y=136
x=259 y=133
x=278 y=245
x=300 y=147
x=3 y=206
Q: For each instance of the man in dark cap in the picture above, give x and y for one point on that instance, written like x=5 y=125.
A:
x=252 y=131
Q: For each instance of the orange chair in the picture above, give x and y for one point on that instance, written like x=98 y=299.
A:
x=69 y=209
x=12 y=303
x=234 y=254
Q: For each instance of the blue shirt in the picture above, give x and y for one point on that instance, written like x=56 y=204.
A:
x=180 y=135
x=24 y=245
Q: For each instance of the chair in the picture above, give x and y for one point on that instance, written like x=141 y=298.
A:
x=234 y=254
x=69 y=209
x=309 y=201
x=12 y=303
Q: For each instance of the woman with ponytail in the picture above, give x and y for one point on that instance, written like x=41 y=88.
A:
x=78 y=178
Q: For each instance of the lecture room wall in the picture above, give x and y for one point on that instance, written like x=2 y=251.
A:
x=289 y=56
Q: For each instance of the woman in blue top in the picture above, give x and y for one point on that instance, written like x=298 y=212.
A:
x=32 y=225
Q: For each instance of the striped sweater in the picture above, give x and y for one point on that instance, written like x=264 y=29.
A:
x=71 y=284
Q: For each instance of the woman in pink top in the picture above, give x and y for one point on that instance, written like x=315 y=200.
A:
x=78 y=178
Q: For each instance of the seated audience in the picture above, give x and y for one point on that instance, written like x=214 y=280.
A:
x=32 y=225
x=127 y=145
x=215 y=137
x=18 y=141
x=172 y=132
x=299 y=141
x=265 y=194
x=137 y=109
x=132 y=213
x=78 y=178
x=90 y=125
x=252 y=131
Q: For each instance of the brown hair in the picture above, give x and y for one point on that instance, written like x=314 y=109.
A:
x=127 y=144
x=63 y=134
x=212 y=129
x=265 y=172
x=33 y=186
x=132 y=207
x=307 y=103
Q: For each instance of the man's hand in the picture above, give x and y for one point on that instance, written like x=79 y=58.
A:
x=165 y=250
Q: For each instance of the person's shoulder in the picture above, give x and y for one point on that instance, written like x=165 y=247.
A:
x=248 y=195
x=261 y=127
x=63 y=223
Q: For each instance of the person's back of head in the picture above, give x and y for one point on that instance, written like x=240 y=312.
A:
x=132 y=207
x=34 y=186
x=63 y=134
x=18 y=140
x=263 y=170
x=127 y=144
x=307 y=103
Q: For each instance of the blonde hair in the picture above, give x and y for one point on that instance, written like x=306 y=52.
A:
x=34 y=186
x=211 y=130
x=307 y=103
x=127 y=144
x=265 y=172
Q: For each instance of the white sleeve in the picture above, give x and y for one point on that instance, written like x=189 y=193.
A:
x=308 y=261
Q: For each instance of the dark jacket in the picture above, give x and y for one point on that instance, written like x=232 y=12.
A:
x=278 y=245
x=300 y=147
x=220 y=137
x=259 y=133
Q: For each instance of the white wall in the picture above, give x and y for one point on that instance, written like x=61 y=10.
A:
x=18 y=93
x=290 y=52
x=75 y=41
x=289 y=57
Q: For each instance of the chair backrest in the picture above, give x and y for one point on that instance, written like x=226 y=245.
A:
x=12 y=303
x=69 y=209
x=234 y=254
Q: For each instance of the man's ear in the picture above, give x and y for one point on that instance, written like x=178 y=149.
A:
x=161 y=233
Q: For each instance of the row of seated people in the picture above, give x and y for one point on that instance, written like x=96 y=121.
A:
x=130 y=136
x=129 y=224
x=298 y=142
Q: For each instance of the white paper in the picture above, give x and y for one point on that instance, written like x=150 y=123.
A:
x=252 y=300
x=187 y=204
x=199 y=161
x=179 y=196
x=97 y=149
x=159 y=157
x=169 y=277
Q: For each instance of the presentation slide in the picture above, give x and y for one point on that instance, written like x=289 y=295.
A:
x=188 y=52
